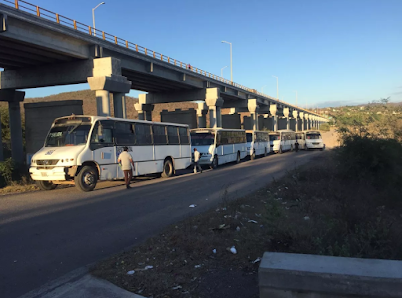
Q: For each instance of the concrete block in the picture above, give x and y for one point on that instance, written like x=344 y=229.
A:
x=39 y=117
x=188 y=117
x=232 y=121
x=298 y=275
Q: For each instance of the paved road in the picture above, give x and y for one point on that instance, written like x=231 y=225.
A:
x=45 y=235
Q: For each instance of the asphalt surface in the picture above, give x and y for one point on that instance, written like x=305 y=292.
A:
x=45 y=235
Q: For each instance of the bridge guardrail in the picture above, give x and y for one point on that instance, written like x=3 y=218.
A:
x=62 y=20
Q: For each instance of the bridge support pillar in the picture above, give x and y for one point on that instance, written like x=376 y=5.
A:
x=253 y=109
x=107 y=79
x=273 y=108
x=119 y=105
x=14 y=98
x=214 y=103
x=144 y=111
x=202 y=111
x=286 y=114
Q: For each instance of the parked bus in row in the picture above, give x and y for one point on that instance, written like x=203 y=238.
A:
x=314 y=140
x=81 y=150
x=282 y=140
x=301 y=140
x=257 y=143
x=219 y=146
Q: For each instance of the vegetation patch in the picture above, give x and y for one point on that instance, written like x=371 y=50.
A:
x=315 y=209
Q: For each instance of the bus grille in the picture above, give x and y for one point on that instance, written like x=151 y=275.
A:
x=47 y=162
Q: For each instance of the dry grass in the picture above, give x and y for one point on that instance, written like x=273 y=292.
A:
x=310 y=211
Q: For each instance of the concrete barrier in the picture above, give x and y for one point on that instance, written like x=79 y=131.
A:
x=285 y=275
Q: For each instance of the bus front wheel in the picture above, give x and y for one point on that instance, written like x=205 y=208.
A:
x=86 y=179
x=167 y=169
x=45 y=185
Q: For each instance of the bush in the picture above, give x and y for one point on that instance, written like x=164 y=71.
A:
x=374 y=161
x=325 y=127
x=6 y=172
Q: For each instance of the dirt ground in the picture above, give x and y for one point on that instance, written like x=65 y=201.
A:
x=330 y=138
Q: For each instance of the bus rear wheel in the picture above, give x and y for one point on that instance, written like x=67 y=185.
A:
x=168 y=169
x=45 y=185
x=86 y=179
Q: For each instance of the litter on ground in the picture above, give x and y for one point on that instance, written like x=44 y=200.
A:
x=131 y=272
x=192 y=206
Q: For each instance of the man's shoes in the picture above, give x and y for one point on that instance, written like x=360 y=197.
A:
x=128 y=186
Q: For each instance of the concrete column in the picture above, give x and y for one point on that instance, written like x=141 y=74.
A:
x=144 y=111
x=102 y=102
x=16 y=132
x=273 y=110
x=1 y=143
x=253 y=109
x=286 y=114
x=202 y=111
x=214 y=109
x=119 y=105
x=107 y=78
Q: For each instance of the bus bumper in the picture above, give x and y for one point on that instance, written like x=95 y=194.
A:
x=54 y=174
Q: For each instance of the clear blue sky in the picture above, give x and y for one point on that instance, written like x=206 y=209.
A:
x=347 y=51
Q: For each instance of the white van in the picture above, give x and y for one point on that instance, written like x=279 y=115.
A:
x=314 y=140
x=257 y=143
x=81 y=150
x=219 y=146
x=282 y=140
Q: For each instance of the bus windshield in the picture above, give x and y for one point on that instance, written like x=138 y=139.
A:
x=200 y=139
x=68 y=135
x=274 y=137
x=249 y=136
x=313 y=136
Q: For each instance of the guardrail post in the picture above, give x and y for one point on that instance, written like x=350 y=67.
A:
x=38 y=11
x=75 y=24
x=90 y=30
x=168 y=59
x=161 y=57
x=174 y=61
x=126 y=44
x=103 y=35
x=145 y=51
x=115 y=39
x=57 y=18
x=16 y=4
x=136 y=47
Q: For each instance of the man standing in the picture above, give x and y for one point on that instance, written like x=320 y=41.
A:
x=126 y=161
x=196 y=159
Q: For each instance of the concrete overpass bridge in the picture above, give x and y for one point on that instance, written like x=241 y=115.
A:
x=40 y=48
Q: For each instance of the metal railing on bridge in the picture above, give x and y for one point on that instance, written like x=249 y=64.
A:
x=70 y=23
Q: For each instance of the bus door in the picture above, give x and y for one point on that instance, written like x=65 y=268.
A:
x=103 y=149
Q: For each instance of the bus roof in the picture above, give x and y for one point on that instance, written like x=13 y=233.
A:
x=251 y=131
x=214 y=129
x=313 y=131
x=95 y=118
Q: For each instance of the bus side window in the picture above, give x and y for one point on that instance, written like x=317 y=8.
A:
x=183 y=133
x=143 y=134
x=124 y=133
x=173 y=135
x=159 y=134
x=102 y=134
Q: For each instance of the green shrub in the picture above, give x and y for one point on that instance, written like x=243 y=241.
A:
x=6 y=172
x=371 y=160
x=325 y=127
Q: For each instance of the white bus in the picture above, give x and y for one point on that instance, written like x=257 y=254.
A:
x=219 y=146
x=282 y=140
x=301 y=139
x=81 y=150
x=257 y=143
x=314 y=140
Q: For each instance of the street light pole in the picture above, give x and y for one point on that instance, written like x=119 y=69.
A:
x=93 y=16
x=222 y=71
x=277 y=88
x=231 y=64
